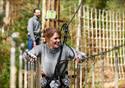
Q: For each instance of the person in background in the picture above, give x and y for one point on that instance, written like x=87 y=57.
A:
x=34 y=26
x=52 y=52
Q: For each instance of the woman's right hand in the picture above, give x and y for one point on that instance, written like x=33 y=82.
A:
x=27 y=56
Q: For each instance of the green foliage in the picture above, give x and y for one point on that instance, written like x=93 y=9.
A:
x=1 y=19
x=115 y=4
x=66 y=7
x=4 y=76
x=4 y=65
x=100 y=4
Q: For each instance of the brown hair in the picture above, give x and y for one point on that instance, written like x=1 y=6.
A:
x=48 y=33
x=34 y=10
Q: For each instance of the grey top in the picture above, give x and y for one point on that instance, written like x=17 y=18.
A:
x=33 y=27
x=50 y=57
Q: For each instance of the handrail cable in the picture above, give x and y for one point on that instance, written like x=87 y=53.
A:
x=75 y=12
x=105 y=52
x=66 y=25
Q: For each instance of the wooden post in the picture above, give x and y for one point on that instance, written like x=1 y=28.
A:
x=25 y=74
x=81 y=77
x=80 y=26
x=102 y=70
x=43 y=13
x=93 y=76
x=7 y=12
x=116 y=70
x=20 y=69
x=85 y=85
x=50 y=5
x=12 y=68
x=32 y=76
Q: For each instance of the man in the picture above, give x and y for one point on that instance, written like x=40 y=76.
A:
x=34 y=26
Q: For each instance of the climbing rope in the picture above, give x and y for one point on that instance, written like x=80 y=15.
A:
x=105 y=52
x=65 y=26
x=81 y=3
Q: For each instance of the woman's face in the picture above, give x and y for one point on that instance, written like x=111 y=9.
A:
x=54 y=41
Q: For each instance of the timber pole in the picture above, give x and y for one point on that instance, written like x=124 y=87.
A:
x=12 y=66
x=13 y=69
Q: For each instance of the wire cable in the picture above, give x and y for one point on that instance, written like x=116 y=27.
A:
x=105 y=52
x=75 y=12
x=65 y=26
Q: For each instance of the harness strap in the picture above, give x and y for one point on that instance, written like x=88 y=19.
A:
x=56 y=72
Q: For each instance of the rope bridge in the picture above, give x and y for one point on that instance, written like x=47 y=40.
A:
x=102 y=38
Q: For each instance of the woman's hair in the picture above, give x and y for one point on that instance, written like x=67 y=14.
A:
x=49 y=32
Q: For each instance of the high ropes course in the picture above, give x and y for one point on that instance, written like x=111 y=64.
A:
x=100 y=34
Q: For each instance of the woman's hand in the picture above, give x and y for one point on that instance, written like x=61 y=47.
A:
x=80 y=57
x=27 y=56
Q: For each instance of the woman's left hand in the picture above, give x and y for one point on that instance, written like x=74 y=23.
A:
x=80 y=57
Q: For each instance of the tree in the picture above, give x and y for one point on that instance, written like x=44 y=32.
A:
x=115 y=4
x=100 y=4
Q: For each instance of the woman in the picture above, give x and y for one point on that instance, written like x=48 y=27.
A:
x=55 y=57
